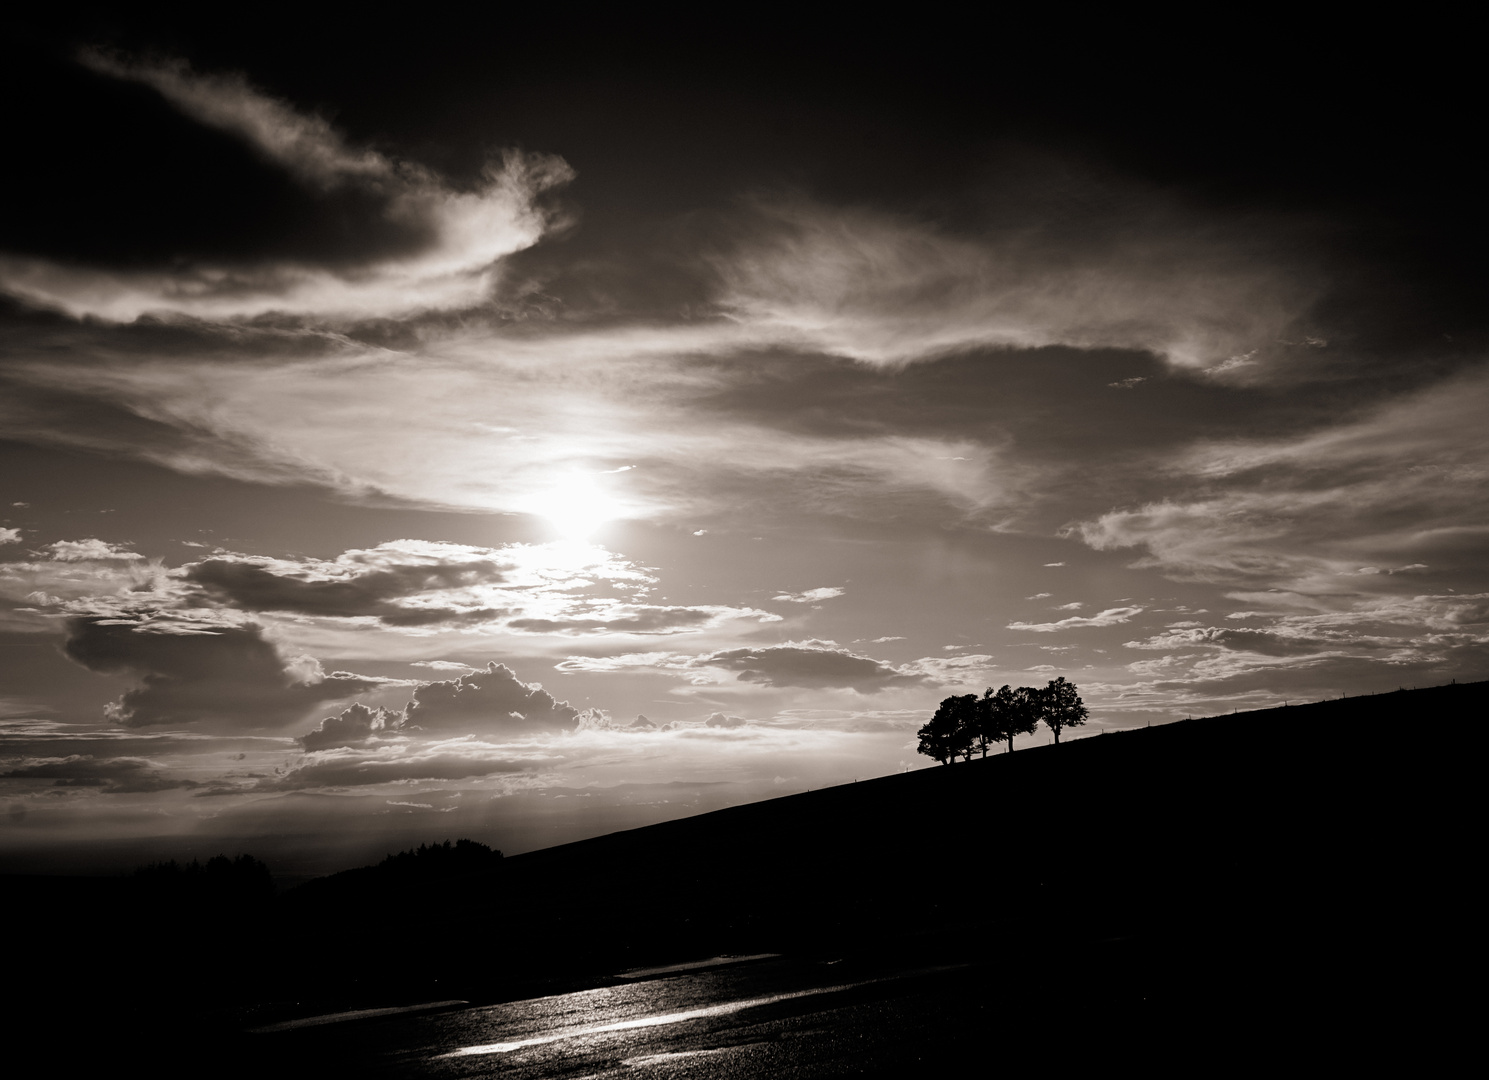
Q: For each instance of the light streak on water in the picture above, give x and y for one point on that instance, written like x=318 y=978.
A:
x=653 y=1021
x=354 y=1014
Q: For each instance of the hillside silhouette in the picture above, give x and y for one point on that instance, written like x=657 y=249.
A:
x=1267 y=869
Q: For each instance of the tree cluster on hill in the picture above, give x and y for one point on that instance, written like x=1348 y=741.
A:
x=967 y=722
x=244 y=880
x=441 y=860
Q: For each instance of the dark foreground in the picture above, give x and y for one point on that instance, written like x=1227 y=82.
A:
x=761 y=1019
x=1285 y=885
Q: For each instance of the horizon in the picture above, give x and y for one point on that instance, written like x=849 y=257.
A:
x=523 y=433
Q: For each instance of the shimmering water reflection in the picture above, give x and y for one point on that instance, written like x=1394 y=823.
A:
x=655 y=1021
x=764 y=1019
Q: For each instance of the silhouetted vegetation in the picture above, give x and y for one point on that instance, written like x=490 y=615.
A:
x=967 y=722
x=1008 y=713
x=242 y=880
x=442 y=860
x=951 y=732
x=1061 y=707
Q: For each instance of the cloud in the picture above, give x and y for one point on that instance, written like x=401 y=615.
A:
x=371 y=583
x=719 y=720
x=644 y=619
x=10 y=536
x=354 y=726
x=506 y=417
x=490 y=701
x=1399 y=485
x=1109 y=617
x=352 y=767
x=119 y=775
x=1276 y=641
x=412 y=584
x=568 y=589
x=887 y=289
x=305 y=145
x=91 y=550
x=194 y=675
x=465 y=233
x=810 y=596
x=809 y=664
x=965 y=670
x=1366 y=643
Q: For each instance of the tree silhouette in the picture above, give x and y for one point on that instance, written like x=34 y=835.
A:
x=951 y=731
x=1060 y=706
x=1009 y=712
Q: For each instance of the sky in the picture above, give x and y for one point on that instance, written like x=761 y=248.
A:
x=527 y=429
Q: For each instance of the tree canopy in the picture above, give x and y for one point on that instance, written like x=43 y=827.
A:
x=951 y=731
x=966 y=722
x=1061 y=706
x=1011 y=712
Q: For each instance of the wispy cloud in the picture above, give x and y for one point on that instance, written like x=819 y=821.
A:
x=811 y=596
x=805 y=664
x=884 y=289
x=1400 y=486
x=1109 y=617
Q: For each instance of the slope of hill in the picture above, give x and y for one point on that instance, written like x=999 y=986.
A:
x=1270 y=865
x=1298 y=829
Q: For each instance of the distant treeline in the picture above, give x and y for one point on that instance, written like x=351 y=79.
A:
x=246 y=879
x=966 y=723
x=441 y=860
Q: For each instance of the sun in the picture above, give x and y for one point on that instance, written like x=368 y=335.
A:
x=576 y=505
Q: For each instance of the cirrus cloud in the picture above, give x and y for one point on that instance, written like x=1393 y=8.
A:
x=1109 y=617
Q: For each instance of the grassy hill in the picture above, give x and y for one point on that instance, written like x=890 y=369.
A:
x=1275 y=864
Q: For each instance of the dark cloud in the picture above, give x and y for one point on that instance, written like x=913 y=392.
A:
x=491 y=701
x=810 y=666
x=121 y=775
x=224 y=676
x=257 y=585
x=355 y=726
x=642 y=620
x=353 y=770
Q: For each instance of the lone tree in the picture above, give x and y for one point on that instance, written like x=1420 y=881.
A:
x=950 y=731
x=1008 y=712
x=1060 y=706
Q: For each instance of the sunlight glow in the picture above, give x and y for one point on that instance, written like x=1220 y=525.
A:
x=576 y=504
